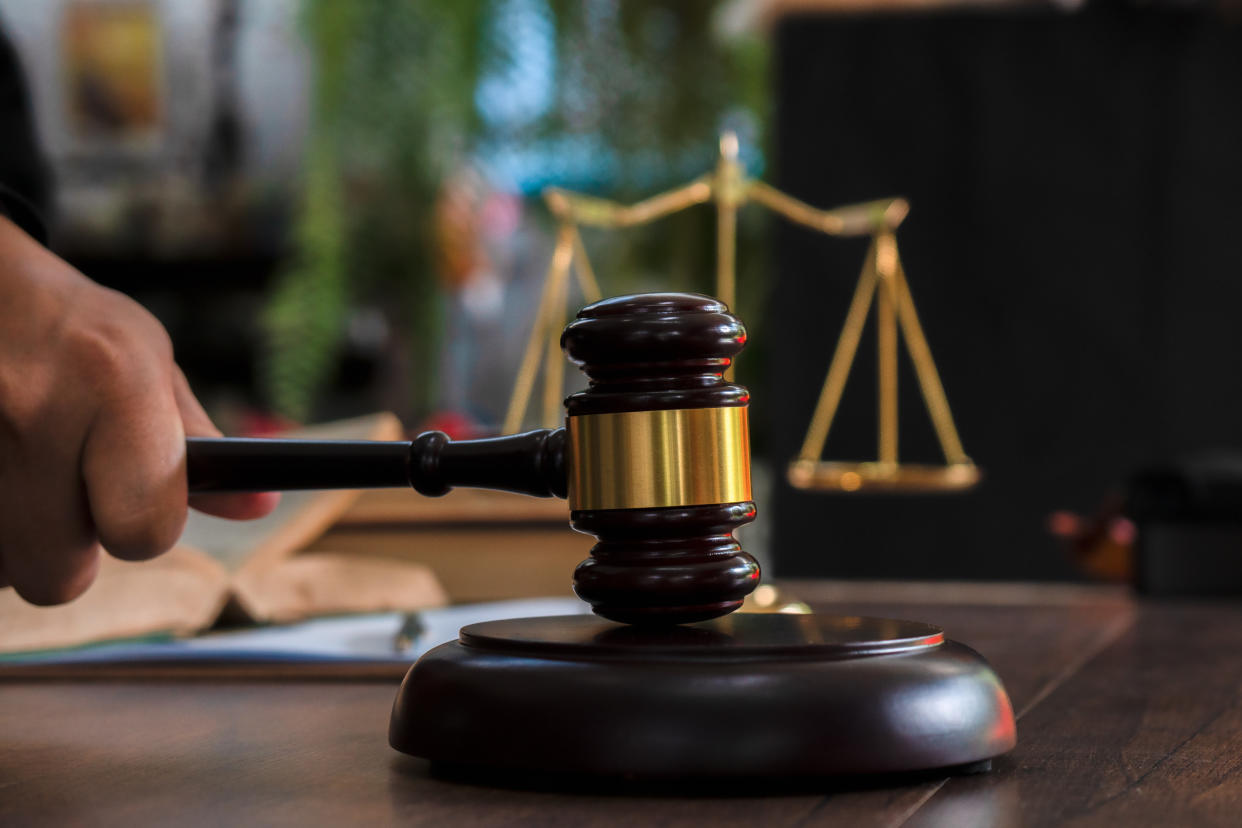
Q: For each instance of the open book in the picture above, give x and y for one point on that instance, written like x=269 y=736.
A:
x=243 y=570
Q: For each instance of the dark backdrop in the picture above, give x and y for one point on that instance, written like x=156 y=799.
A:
x=1073 y=249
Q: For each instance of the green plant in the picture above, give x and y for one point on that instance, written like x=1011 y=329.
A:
x=643 y=84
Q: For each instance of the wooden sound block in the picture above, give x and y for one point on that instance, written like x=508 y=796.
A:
x=741 y=696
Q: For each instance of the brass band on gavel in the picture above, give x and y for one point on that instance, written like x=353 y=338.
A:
x=646 y=459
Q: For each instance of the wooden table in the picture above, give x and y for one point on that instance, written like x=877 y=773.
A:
x=1129 y=714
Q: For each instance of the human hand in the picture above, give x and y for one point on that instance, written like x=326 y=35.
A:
x=93 y=418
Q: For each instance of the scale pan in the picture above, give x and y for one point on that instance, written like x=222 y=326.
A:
x=827 y=476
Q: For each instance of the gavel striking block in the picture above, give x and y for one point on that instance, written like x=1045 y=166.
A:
x=667 y=684
x=659 y=459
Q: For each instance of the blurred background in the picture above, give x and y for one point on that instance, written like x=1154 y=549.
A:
x=335 y=209
x=334 y=206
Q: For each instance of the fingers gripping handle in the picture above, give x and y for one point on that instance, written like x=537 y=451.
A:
x=532 y=463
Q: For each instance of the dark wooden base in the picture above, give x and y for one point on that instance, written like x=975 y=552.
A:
x=740 y=696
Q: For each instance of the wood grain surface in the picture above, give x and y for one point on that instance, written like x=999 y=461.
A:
x=1129 y=714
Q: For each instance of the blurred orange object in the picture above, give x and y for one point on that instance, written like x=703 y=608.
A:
x=1102 y=546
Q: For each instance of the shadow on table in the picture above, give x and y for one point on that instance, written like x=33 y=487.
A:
x=568 y=783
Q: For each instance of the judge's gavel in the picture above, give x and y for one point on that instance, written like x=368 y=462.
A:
x=655 y=460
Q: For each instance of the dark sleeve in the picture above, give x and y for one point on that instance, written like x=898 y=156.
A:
x=25 y=186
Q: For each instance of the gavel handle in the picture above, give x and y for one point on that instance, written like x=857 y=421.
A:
x=532 y=463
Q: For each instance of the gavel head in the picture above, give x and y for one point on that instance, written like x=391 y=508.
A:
x=659 y=459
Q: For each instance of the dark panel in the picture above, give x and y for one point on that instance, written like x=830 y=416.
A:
x=1072 y=182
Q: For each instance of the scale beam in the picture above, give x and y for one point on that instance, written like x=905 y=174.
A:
x=882 y=284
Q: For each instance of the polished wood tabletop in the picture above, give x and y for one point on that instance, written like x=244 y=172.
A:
x=1129 y=713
